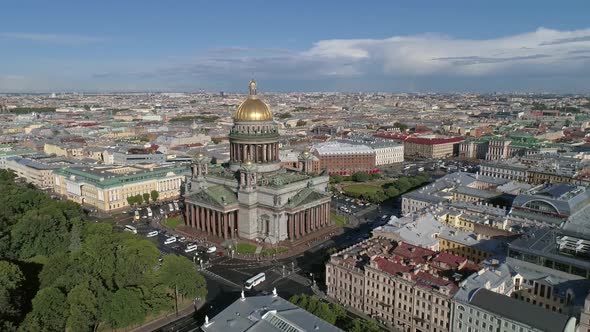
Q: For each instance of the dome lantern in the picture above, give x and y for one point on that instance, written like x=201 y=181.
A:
x=253 y=109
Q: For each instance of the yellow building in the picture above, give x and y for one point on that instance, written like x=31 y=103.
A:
x=68 y=150
x=107 y=188
x=468 y=244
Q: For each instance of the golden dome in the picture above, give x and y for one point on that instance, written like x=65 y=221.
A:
x=253 y=109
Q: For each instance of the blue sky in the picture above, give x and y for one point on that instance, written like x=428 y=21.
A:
x=398 y=46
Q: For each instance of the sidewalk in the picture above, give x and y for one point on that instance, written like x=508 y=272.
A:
x=169 y=318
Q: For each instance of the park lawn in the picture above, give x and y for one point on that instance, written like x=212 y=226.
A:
x=173 y=222
x=246 y=248
x=338 y=219
x=362 y=189
x=271 y=251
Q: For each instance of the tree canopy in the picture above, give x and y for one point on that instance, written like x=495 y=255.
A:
x=91 y=274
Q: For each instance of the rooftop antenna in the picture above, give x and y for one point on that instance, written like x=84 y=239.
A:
x=243 y=297
x=274 y=292
x=207 y=323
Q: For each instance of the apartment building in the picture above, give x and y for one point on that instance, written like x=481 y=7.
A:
x=431 y=147
x=402 y=285
x=489 y=311
x=68 y=150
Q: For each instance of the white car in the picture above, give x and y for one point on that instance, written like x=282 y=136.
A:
x=182 y=239
x=190 y=247
x=152 y=234
x=170 y=240
x=211 y=250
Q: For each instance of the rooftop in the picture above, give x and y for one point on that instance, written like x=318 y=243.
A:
x=520 y=311
x=266 y=314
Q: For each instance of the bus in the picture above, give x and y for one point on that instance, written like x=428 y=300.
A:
x=255 y=280
x=131 y=229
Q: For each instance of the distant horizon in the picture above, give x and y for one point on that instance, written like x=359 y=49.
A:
x=329 y=46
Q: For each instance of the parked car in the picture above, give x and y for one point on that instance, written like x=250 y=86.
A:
x=170 y=240
x=190 y=248
x=152 y=234
x=211 y=250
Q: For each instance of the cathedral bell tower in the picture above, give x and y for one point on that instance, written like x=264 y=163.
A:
x=248 y=177
x=305 y=161
x=199 y=166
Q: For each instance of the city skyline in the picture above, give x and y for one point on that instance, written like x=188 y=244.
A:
x=379 y=46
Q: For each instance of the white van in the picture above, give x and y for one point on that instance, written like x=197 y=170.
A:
x=190 y=247
x=152 y=234
x=129 y=228
x=149 y=212
x=176 y=206
x=170 y=207
x=170 y=240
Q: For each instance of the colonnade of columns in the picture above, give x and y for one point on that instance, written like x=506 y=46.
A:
x=309 y=220
x=258 y=153
x=217 y=223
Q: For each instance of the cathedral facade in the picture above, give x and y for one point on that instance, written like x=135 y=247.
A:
x=253 y=197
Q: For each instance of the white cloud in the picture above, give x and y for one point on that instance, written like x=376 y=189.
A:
x=67 y=39
x=541 y=52
x=435 y=54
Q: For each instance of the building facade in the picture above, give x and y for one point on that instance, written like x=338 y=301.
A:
x=254 y=197
x=107 y=188
x=489 y=311
x=387 y=154
x=34 y=172
x=404 y=286
x=68 y=150
x=345 y=158
x=431 y=147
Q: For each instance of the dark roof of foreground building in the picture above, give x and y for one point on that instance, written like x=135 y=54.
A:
x=520 y=311
x=266 y=314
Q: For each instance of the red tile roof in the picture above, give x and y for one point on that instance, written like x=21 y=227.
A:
x=412 y=252
x=453 y=261
x=430 y=281
x=391 y=267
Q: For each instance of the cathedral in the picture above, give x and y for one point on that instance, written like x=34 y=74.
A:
x=253 y=197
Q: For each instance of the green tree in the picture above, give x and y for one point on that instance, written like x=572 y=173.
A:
x=154 y=194
x=132 y=256
x=124 y=308
x=391 y=191
x=363 y=325
x=131 y=200
x=336 y=178
x=43 y=231
x=177 y=272
x=11 y=299
x=49 y=312
x=139 y=199
x=75 y=237
x=146 y=197
x=360 y=177
x=402 y=185
x=83 y=313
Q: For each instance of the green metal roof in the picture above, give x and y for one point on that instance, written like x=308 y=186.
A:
x=109 y=180
x=218 y=196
